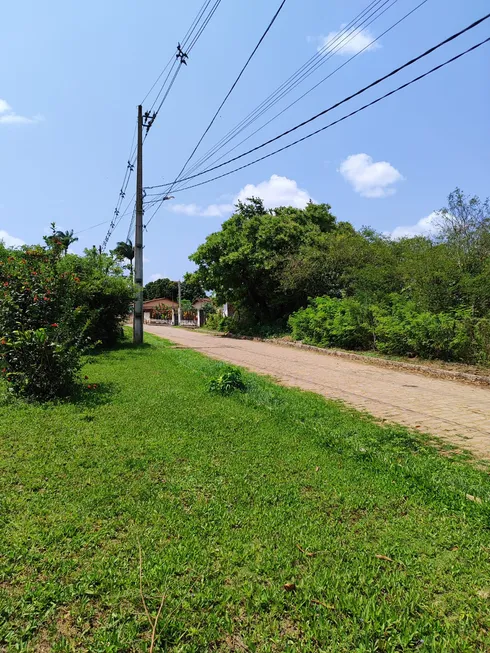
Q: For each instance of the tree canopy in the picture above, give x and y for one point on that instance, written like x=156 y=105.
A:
x=270 y=263
x=244 y=263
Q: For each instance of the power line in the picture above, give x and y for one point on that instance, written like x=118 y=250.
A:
x=122 y=193
x=338 y=104
x=332 y=46
x=204 y=25
x=181 y=58
x=184 y=43
x=268 y=28
x=280 y=113
x=349 y=115
x=150 y=116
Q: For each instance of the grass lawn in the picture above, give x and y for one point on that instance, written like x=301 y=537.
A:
x=271 y=520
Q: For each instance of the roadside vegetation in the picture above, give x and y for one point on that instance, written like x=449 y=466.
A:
x=269 y=519
x=53 y=307
x=328 y=284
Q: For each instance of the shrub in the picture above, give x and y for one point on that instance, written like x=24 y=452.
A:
x=52 y=307
x=104 y=295
x=42 y=328
x=219 y=322
x=228 y=382
x=39 y=366
x=331 y=322
x=396 y=328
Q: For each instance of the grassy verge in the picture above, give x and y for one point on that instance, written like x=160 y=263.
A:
x=271 y=520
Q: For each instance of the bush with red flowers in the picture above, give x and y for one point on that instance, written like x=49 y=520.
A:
x=42 y=337
x=53 y=306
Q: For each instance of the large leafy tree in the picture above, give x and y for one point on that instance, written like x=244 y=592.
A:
x=244 y=262
x=165 y=288
x=190 y=288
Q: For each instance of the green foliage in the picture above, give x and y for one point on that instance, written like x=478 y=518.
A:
x=243 y=262
x=190 y=289
x=124 y=250
x=396 y=327
x=227 y=382
x=163 y=312
x=331 y=322
x=53 y=306
x=62 y=239
x=42 y=329
x=424 y=296
x=104 y=294
x=38 y=364
x=220 y=493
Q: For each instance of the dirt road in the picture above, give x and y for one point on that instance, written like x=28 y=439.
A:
x=455 y=411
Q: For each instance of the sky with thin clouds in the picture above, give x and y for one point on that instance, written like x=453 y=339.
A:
x=71 y=79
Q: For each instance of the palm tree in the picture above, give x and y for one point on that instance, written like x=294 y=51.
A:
x=125 y=250
x=66 y=238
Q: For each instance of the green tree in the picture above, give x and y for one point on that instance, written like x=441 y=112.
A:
x=124 y=250
x=161 y=288
x=191 y=287
x=62 y=239
x=243 y=263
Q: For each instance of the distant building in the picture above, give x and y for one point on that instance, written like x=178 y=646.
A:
x=150 y=306
x=201 y=303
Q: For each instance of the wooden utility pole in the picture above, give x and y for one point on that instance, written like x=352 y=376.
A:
x=138 y=238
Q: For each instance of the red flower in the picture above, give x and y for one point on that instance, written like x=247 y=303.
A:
x=54 y=324
x=3 y=341
x=89 y=387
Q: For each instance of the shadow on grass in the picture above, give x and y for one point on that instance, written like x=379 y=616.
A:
x=86 y=397
x=125 y=346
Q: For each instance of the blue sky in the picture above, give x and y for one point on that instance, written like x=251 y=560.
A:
x=72 y=74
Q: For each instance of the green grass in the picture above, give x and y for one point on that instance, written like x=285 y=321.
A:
x=228 y=496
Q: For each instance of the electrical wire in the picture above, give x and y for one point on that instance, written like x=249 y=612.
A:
x=338 y=104
x=349 y=115
x=332 y=47
x=280 y=113
x=204 y=25
x=165 y=89
x=257 y=46
x=122 y=192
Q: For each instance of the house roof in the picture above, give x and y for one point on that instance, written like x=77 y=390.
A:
x=152 y=303
x=202 y=300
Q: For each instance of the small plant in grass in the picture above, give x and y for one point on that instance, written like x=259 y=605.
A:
x=228 y=382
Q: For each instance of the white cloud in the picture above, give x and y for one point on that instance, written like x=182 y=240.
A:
x=158 y=275
x=277 y=191
x=4 y=106
x=347 y=42
x=211 y=211
x=368 y=178
x=8 y=240
x=425 y=227
x=9 y=117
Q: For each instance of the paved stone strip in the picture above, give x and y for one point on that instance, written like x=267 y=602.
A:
x=455 y=411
